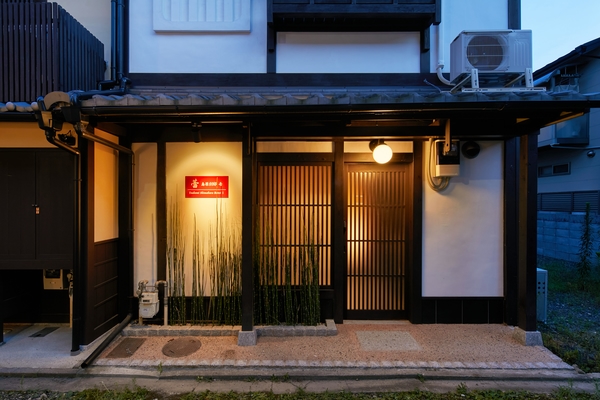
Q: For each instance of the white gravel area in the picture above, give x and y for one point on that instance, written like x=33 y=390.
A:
x=466 y=344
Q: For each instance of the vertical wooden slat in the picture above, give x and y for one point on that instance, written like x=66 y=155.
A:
x=299 y=212
x=376 y=207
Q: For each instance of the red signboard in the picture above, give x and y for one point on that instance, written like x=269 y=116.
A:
x=207 y=187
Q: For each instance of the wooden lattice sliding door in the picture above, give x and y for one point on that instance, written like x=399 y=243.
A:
x=294 y=216
x=377 y=214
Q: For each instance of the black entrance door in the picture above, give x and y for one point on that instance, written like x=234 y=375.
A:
x=376 y=240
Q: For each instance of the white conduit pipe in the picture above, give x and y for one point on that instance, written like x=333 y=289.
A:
x=440 y=46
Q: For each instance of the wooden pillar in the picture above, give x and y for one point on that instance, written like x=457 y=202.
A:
x=248 y=231
x=125 y=207
x=339 y=233
x=527 y=232
x=415 y=262
x=511 y=232
x=1 y=309
x=82 y=289
x=161 y=211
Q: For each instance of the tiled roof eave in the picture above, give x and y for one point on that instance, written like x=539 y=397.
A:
x=332 y=98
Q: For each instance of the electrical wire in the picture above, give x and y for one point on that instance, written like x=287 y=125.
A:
x=444 y=181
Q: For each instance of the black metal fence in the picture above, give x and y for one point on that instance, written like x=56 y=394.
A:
x=44 y=49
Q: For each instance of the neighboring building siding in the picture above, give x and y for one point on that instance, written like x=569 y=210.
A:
x=95 y=16
x=559 y=232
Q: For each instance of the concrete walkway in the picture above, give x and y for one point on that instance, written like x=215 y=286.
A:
x=360 y=356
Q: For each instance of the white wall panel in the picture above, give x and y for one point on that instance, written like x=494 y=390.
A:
x=23 y=134
x=106 y=176
x=144 y=213
x=192 y=52
x=373 y=52
x=463 y=15
x=205 y=159
x=455 y=265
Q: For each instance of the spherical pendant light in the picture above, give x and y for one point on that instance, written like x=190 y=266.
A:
x=382 y=153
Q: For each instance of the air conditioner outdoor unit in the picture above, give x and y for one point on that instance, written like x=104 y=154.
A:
x=492 y=53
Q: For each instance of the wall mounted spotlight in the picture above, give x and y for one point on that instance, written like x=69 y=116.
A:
x=591 y=153
x=470 y=149
x=67 y=138
x=382 y=153
x=197 y=136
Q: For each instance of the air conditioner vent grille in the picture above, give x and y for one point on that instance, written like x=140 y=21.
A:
x=498 y=56
x=486 y=53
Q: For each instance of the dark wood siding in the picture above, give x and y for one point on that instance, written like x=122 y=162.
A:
x=102 y=289
x=43 y=49
x=36 y=209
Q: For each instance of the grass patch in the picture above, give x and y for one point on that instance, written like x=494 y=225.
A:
x=572 y=328
x=462 y=392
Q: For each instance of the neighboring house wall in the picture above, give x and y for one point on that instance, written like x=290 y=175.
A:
x=559 y=232
x=95 y=15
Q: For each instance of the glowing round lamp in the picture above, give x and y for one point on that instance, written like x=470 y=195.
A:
x=382 y=153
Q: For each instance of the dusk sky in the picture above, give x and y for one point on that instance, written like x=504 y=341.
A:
x=559 y=26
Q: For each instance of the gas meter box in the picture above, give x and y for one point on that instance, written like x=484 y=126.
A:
x=149 y=304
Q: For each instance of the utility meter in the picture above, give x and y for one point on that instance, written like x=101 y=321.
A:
x=149 y=304
x=447 y=164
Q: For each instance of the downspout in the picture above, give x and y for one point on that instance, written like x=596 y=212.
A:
x=50 y=133
x=440 y=65
x=113 y=40
x=76 y=317
x=120 y=40
x=44 y=117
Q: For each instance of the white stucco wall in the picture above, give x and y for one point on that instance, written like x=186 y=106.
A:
x=196 y=52
x=144 y=213
x=245 y=52
x=347 y=52
x=205 y=159
x=106 y=181
x=463 y=15
x=183 y=159
x=463 y=229
x=22 y=134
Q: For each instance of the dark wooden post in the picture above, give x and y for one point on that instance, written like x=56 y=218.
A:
x=125 y=231
x=511 y=232
x=527 y=232
x=161 y=211
x=247 y=232
x=82 y=289
x=415 y=272
x=339 y=232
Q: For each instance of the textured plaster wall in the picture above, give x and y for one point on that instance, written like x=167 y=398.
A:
x=106 y=177
x=144 y=213
x=460 y=15
x=463 y=229
x=22 y=134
